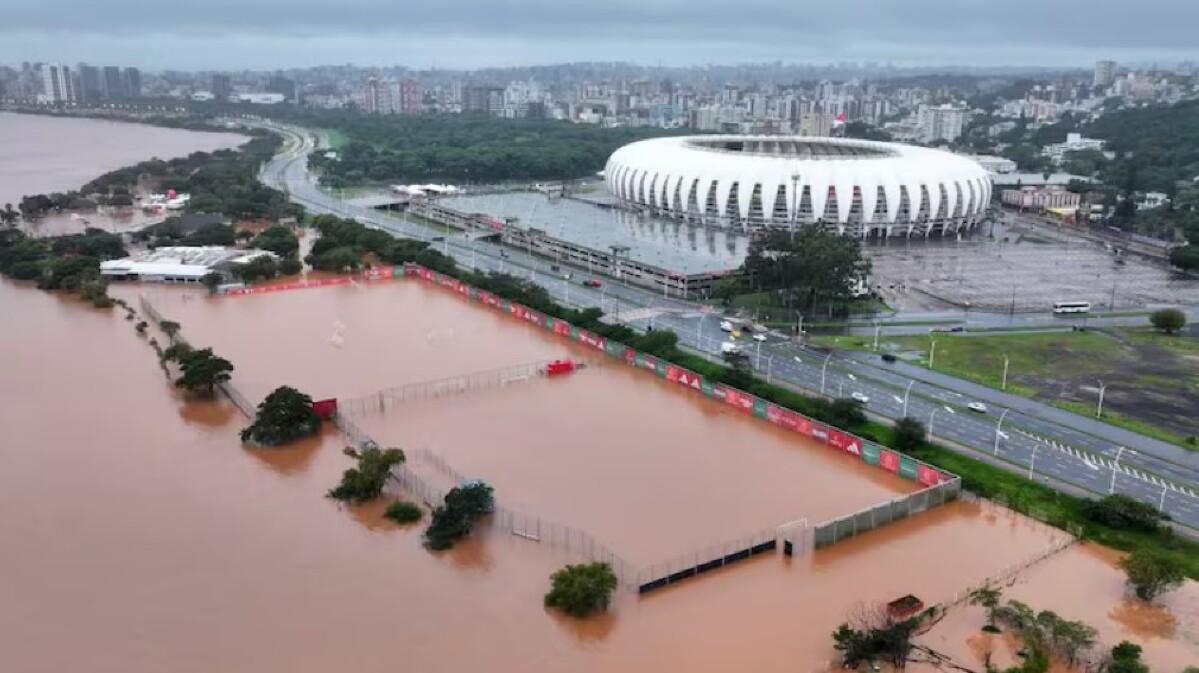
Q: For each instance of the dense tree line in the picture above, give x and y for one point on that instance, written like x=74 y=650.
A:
x=461 y=148
x=1158 y=144
x=70 y=263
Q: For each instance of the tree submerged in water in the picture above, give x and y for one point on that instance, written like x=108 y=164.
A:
x=202 y=370
x=581 y=590
x=284 y=416
x=366 y=482
x=454 y=520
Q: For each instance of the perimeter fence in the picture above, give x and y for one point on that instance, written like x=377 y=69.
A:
x=175 y=336
x=444 y=387
x=558 y=536
x=840 y=528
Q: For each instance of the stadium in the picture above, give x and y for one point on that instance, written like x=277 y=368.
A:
x=856 y=187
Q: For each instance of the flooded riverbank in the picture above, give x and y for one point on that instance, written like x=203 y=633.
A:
x=45 y=154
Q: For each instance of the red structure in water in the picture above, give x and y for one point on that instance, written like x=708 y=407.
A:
x=326 y=409
x=558 y=367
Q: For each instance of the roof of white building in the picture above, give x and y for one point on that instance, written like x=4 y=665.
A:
x=178 y=261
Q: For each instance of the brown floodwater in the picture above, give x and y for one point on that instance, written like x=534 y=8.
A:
x=648 y=467
x=1084 y=583
x=140 y=536
x=53 y=154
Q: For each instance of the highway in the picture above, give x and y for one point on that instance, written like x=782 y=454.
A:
x=1026 y=435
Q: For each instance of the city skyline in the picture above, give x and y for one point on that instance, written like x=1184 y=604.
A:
x=470 y=34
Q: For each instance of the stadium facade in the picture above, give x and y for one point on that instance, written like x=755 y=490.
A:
x=854 y=187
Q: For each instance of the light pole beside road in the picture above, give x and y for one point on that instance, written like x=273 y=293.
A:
x=999 y=431
x=823 y=370
x=1111 y=487
x=1005 y=364
x=933 y=415
x=907 y=391
x=1099 y=406
x=1032 y=463
x=932 y=352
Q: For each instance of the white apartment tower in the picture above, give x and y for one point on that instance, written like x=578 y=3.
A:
x=58 y=84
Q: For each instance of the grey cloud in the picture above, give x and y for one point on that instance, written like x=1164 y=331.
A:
x=656 y=29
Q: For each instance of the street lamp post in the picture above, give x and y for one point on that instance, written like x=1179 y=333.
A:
x=699 y=332
x=769 y=367
x=799 y=328
x=1003 y=386
x=1099 y=406
x=823 y=370
x=877 y=329
x=999 y=430
x=907 y=391
x=758 y=355
x=1161 y=502
x=1111 y=487
x=1032 y=463
x=932 y=352
x=932 y=414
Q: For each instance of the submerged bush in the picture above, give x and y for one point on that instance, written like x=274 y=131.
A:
x=402 y=511
x=580 y=590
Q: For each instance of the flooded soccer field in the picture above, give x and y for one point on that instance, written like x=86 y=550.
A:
x=148 y=534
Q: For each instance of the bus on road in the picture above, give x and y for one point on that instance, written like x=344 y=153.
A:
x=1072 y=307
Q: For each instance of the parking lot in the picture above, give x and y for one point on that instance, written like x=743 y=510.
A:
x=1022 y=267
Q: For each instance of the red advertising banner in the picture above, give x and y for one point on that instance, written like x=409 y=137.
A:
x=845 y=442
x=780 y=416
x=741 y=400
x=888 y=460
x=927 y=475
x=687 y=378
x=593 y=340
x=818 y=431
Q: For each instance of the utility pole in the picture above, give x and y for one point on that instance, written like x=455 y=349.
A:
x=1099 y=406
x=1005 y=364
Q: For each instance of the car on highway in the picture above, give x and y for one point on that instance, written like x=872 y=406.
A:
x=860 y=397
x=758 y=336
x=977 y=407
x=591 y=282
x=729 y=347
x=726 y=325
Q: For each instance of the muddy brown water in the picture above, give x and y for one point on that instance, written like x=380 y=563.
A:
x=1083 y=583
x=140 y=536
x=43 y=155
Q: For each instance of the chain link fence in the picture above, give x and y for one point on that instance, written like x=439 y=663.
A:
x=452 y=385
x=175 y=336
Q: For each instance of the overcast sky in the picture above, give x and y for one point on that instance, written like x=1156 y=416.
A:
x=262 y=34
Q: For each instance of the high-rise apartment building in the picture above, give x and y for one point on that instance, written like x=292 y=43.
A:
x=133 y=82
x=409 y=96
x=58 y=85
x=222 y=86
x=91 y=89
x=1105 y=73
x=114 y=87
x=943 y=122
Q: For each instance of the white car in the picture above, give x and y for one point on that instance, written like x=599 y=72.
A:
x=859 y=397
x=758 y=336
x=977 y=406
x=726 y=325
x=729 y=347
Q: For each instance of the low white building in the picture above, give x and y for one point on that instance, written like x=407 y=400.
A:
x=177 y=264
x=994 y=164
x=1075 y=142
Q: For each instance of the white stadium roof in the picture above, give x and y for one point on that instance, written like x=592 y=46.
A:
x=761 y=180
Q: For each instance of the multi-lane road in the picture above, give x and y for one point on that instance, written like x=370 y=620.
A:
x=1022 y=434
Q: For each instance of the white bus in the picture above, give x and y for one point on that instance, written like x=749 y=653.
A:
x=1072 y=307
